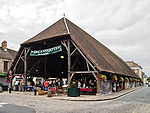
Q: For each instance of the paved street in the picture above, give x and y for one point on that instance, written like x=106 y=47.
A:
x=8 y=108
x=135 y=102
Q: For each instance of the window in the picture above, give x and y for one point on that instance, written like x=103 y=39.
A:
x=5 y=65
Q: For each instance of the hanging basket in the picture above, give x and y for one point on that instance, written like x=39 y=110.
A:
x=101 y=77
x=135 y=80
x=115 y=78
x=130 y=79
x=121 y=80
x=127 y=80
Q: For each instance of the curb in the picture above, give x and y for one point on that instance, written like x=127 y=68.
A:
x=109 y=98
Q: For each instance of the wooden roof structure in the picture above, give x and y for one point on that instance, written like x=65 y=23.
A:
x=99 y=55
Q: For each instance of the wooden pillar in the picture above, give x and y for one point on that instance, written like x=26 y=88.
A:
x=98 y=86
x=25 y=66
x=45 y=63
x=69 y=63
x=97 y=83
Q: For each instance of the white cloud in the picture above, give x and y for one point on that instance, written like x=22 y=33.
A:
x=122 y=25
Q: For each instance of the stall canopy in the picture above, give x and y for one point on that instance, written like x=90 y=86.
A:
x=95 y=52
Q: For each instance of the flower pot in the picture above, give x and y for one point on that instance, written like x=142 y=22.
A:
x=73 y=92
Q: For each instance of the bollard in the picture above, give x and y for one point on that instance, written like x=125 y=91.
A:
x=49 y=94
x=35 y=90
x=9 y=90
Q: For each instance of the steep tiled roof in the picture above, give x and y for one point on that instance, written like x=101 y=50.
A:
x=9 y=54
x=103 y=58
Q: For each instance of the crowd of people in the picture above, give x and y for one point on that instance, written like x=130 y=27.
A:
x=85 y=84
x=45 y=84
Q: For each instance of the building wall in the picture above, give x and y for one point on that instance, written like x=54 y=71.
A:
x=2 y=65
x=145 y=79
x=137 y=70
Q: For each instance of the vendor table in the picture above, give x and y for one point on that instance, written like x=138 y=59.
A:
x=88 y=91
x=85 y=89
x=28 y=88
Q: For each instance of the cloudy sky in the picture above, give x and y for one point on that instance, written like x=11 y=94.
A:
x=121 y=25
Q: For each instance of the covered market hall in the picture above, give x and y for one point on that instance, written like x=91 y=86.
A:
x=64 y=50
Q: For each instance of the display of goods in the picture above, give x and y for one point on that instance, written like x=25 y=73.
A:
x=101 y=77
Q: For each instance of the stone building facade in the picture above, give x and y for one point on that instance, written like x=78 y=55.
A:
x=137 y=69
x=6 y=58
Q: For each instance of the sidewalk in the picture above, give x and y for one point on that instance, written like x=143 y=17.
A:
x=114 y=95
x=30 y=95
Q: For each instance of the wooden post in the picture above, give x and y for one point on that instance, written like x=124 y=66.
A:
x=45 y=62
x=69 y=63
x=25 y=66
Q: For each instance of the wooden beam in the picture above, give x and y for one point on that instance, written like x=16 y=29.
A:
x=17 y=74
x=75 y=62
x=73 y=51
x=22 y=59
x=28 y=49
x=72 y=76
x=25 y=66
x=75 y=72
x=66 y=25
x=87 y=66
x=14 y=70
x=98 y=83
x=34 y=65
x=45 y=62
x=69 y=63
x=83 y=56
x=64 y=44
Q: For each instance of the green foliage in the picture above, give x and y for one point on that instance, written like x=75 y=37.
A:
x=73 y=85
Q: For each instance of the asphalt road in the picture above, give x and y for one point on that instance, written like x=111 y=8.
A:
x=139 y=96
x=9 y=108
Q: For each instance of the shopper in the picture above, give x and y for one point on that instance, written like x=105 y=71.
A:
x=79 y=84
x=46 y=85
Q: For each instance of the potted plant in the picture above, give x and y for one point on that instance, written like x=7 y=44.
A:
x=73 y=91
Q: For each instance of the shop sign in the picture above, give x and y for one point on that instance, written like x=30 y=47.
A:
x=46 y=51
x=3 y=74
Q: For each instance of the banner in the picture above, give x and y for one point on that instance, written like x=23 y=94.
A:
x=46 y=51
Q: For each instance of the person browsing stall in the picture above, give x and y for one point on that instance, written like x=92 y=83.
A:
x=46 y=84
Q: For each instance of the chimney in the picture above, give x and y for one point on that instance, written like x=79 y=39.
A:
x=4 y=45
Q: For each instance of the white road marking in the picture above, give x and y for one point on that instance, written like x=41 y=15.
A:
x=1 y=104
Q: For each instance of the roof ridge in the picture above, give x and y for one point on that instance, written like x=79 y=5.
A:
x=10 y=49
x=66 y=25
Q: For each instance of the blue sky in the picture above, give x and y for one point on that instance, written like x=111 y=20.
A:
x=121 y=25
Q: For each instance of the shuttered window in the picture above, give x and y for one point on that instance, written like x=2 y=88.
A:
x=5 y=65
